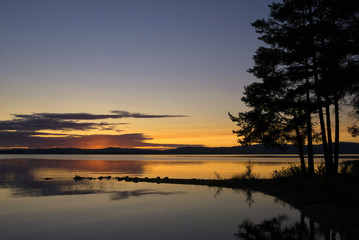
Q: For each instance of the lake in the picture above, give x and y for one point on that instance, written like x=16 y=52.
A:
x=32 y=207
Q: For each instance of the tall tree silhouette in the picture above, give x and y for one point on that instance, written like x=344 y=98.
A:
x=314 y=44
x=277 y=116
x=354 y=129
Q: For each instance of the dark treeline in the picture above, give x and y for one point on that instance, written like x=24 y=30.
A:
x=345 y=148
x=309 y=72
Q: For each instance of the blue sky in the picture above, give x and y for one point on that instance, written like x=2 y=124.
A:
x=161 y=57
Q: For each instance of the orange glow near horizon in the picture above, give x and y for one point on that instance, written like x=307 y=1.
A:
x=100 y=142
x=155 y=138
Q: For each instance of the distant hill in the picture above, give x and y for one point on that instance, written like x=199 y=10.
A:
x=345 y=148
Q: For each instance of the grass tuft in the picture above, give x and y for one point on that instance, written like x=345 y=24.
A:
x=247 y=174
x=287 y=172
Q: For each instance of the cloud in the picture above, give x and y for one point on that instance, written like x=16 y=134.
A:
x=35 y=123
x=116 y=114
x=70 y=121
x=125 y=114
x=30 y=130
x=30 y=140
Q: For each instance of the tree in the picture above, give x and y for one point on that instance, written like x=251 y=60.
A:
x=277 y=116
x=354 y=129
x=315 y=52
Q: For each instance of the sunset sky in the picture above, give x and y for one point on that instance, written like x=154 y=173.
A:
x=125 y=73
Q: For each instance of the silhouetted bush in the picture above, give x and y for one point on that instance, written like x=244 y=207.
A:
x=287 y=172
x=320 y=170
x=247 y=174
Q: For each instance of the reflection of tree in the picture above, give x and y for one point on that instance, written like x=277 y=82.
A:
x=219 y=190
x=277 y=229
x=120 y=195
x=248 y=193
x=249 y=197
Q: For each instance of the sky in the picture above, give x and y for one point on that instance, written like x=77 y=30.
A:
x=125 y=73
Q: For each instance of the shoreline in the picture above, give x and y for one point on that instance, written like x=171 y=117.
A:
x=333 y=202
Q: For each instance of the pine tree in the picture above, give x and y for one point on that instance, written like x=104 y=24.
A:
x=308 y=67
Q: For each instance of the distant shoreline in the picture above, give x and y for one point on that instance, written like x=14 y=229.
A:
x=345 y=148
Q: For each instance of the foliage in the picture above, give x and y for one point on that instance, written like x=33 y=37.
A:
x=287 y=172
x=308 y=65
x=247 y=174
x=354 y=130
x=218 y=176
x=320 y=170
x=347 y=167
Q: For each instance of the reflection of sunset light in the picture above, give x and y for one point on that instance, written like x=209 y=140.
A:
x=41 y=173
x=14 y=147
x=206 y=169
x=203 y=170
x=61 y=169
x=156 y=166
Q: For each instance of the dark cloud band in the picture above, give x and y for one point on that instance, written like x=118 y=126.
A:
x=116 y=114
x=32 y=140
x=31 y=130
x=70 y=121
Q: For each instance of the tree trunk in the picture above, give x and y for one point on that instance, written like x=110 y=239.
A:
x=328 y=164
x=300 y=146
x=310 y=145
x=319 y=101
x=329 y=130
x=309 y=131
x=301 y=153
x=336 y=146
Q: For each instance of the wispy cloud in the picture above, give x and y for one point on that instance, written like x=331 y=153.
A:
x=70 y=121
x=34 y=123
x=115 y=114
x=125 y=114
x=32 y=130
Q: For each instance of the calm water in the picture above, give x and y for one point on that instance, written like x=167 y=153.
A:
x=61 y=208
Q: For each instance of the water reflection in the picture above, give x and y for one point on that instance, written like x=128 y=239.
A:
x=35 y=177
x=174 y=168
x=218 y=191
x=249 y=197
x=140 y=192
x=280 y=228
x=163 y=211
x=27 y=177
